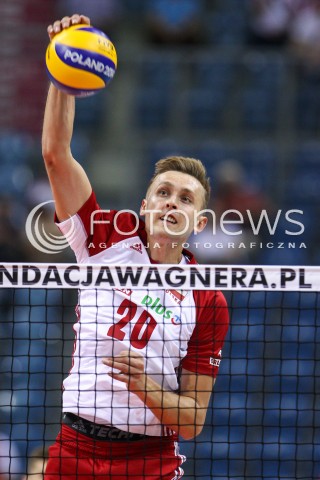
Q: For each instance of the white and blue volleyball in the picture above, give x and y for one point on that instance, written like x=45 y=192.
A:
x=81 y=60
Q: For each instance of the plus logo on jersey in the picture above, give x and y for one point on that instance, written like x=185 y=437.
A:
x=176 y=320
x=154 y=304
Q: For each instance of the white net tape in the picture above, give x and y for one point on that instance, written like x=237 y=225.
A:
x=190 y=277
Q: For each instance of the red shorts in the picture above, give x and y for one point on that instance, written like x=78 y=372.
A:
x=75 y=456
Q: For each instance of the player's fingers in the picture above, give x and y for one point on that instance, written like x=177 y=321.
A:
x=131 y=354
x=135 y=361
x=66 y=22
x=52 y=30
x=77 y=18
x=124 y=367
x=57 y=26
x=119 y=376
x=132 y=386
x=85 y=19
x=131 y=368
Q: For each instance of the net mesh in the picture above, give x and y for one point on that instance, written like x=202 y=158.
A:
x=263 y=416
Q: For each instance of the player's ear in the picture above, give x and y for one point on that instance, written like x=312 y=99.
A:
x=143 y=207
x=200 y=223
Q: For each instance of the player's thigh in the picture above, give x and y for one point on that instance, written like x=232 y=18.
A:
x=153 y=468
x=65 y=464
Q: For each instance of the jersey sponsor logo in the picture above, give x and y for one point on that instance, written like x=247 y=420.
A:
x=155 y=305
x=137 y=247
x=215 y=361
x=176 y=320
x=176 y=296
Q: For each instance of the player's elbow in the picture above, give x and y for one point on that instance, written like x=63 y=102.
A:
x=192 y=421
x=49 y=158
x=188 y=432
x=54 y=156
x=54 y=147
x=50 y=154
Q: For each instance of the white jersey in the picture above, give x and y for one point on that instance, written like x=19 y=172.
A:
x=170 y=328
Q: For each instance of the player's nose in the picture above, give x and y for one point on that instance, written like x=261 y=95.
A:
x=172 y=203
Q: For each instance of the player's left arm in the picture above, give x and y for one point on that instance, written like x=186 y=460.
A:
x=185 y=412
x=198 y=388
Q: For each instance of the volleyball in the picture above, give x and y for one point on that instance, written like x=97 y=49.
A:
x=81 y=60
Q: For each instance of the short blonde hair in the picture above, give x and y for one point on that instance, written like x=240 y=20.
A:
x=190 y=166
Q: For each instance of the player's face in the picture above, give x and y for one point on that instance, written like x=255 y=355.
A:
x=171 y=205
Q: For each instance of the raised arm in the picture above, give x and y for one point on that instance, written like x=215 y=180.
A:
x=69 y=182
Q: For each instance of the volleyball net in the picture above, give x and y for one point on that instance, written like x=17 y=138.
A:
x=263 y=419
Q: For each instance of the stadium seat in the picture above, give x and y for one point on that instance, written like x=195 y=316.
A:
x=28 y=406
x=90 y=112
x=205 y=108
x=307 y=109
x=258 y=109
x=217 y=416
x=157 y=71
x=218 y=27
x=239 y=331
x=213 y=152
x=15 y=148
x=216 y=74
x=27 y=435
x=199 y=456
x=262 y=70
x=303 y=333
x=152 y=108
x=220 y=468
x=164 y=148
x=302 y=188
x=285 y=256
x=307 y=153
x=260 y=162
x=15 y=180
x=303 y=179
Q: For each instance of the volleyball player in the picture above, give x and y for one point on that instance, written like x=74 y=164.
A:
x=144 y=362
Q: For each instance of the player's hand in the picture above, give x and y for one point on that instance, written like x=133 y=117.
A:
x=66 y=22
x=131 y=369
